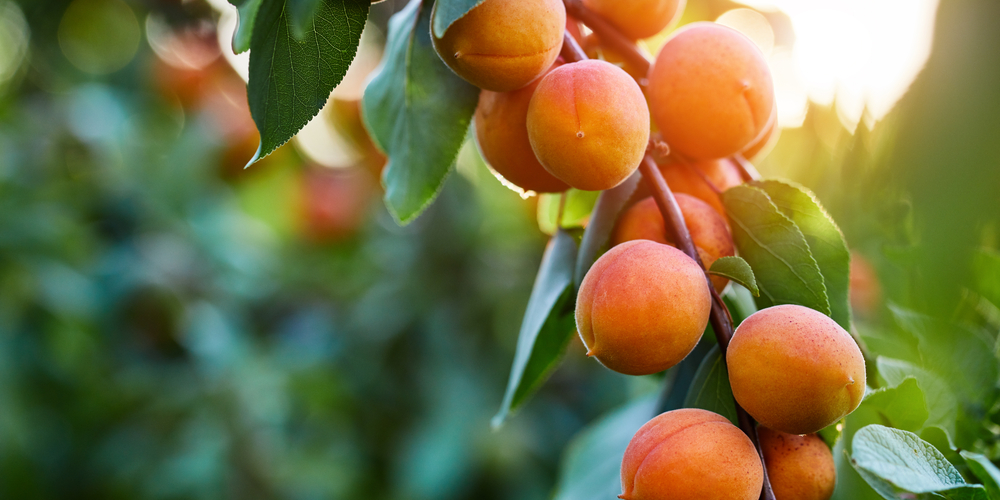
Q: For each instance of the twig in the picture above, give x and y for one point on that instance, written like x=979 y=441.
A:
x=608 y=34
x=747 y=170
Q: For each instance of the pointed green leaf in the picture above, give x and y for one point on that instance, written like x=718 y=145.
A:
x=602 y=221
x=547 y=326
x=418 y=113
x=447 y=12
x=291 y=80
x=826 y=242
x=894 y=461
x=737 y=270
x=591 y=467
x=777 y=251
x=985 y=471
x=247 y=10
x=710 y=389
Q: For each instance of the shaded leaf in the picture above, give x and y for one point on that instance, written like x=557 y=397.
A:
x=737 y=270
x=547 y=326
x=826 y=242
x=591 y=467
x=447 y=12
x=941 y=402
x=710 y=389
x=740 y=302
x=986 y=274
x=418 y=113
x=244 y=27
x=579 y=205
x=291 y=80
x=681 y=377
x=602 y=221
x=302 y=13
x=775 y=248
x=891 y=460
x=985 y=471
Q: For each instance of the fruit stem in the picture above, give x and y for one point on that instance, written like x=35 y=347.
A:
x=571 y=51
x=608 y=34
x=747 y=170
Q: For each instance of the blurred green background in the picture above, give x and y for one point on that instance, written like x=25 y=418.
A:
x=173 y=326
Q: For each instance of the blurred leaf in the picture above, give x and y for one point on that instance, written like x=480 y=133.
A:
x=826 y=242
x=291 y=80
x=447 y=12
x=682 y=376
x=740 y=302
x=302 y=13
x=591 y=467
x=985 y=471
x=609 y=204
x=775 y=248
x=548 y=324
x=986 y=274
x=710 y=389
x=244 y=27
x=579 y=205
x=941 y=403
x=737 y=270
x=893 y=459
x=832 y=433
x=418 y=113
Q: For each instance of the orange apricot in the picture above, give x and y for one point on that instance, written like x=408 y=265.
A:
x=799 y=467
x=865 y=290
x=642 y=307
x=588 y=124
x=502 y=135
x=794 y=369
x=709 y=230
x=703 y=180
x=691 y=454
x=710 y=91
x=638 y=19
x=503 y=45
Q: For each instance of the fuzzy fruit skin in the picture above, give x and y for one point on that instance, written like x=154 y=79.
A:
x=799 y=467
x=691 y=454
x=502 y=45
x=710 y=91
x=637 y=19
x=709 y=230
x=588 y=124
x=642 y=307
x=794 y=369
x=502 y=135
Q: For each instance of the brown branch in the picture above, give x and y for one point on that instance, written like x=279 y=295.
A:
x=608 y=34
x=571 y=51
x=747 y=170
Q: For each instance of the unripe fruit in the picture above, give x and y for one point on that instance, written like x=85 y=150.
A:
x=709 y=230
x=502 y=134
x=638 y=18
x=588 y=124
x=642 y=307
x=794 y=369
x=799 y=467
x=710 y=91
x=691 y=454
x=503 y=45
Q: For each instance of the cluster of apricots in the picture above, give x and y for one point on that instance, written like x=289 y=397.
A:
x=544 y=125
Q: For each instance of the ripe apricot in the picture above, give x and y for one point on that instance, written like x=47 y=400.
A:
x=691 y=454
x=709 y=230
x=588 y=124
x=642 y=307
x=794 y=369
x=503 y=45
x=695 y=179
x=865 y=290
x=710 y=91
x=638 y=18
x=799 y=467
x=502 y=134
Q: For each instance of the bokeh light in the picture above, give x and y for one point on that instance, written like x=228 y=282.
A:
x=13 y=40
x=99 y=36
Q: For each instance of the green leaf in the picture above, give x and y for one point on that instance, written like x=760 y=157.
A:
x=591 y=467
x=579 y=205
x=777 y=251
x=893 y=460
x=737 y=270
x=244 y=27
x=740 y=302
x=302 y=13
x=447 y=12
x=710 y=389
x=602 y=221
x=903 y=406
x=985 y=471
x=941 y=402
x=547 y=326
x=418 y=113
x=826 y=242
x=986 y=274
x=291 y=80
x=940 y=439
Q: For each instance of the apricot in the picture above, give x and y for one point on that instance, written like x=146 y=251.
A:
x=699 y=179
x=865 y=290
x=588 y=124
x=642 y=307
x=710 y=91
x=763 y=145
x=709 y=230
x=638 y=19
x=503 y=45
x=794 y=369
x=691 y=454
x=799 y=467
x=502 y=134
